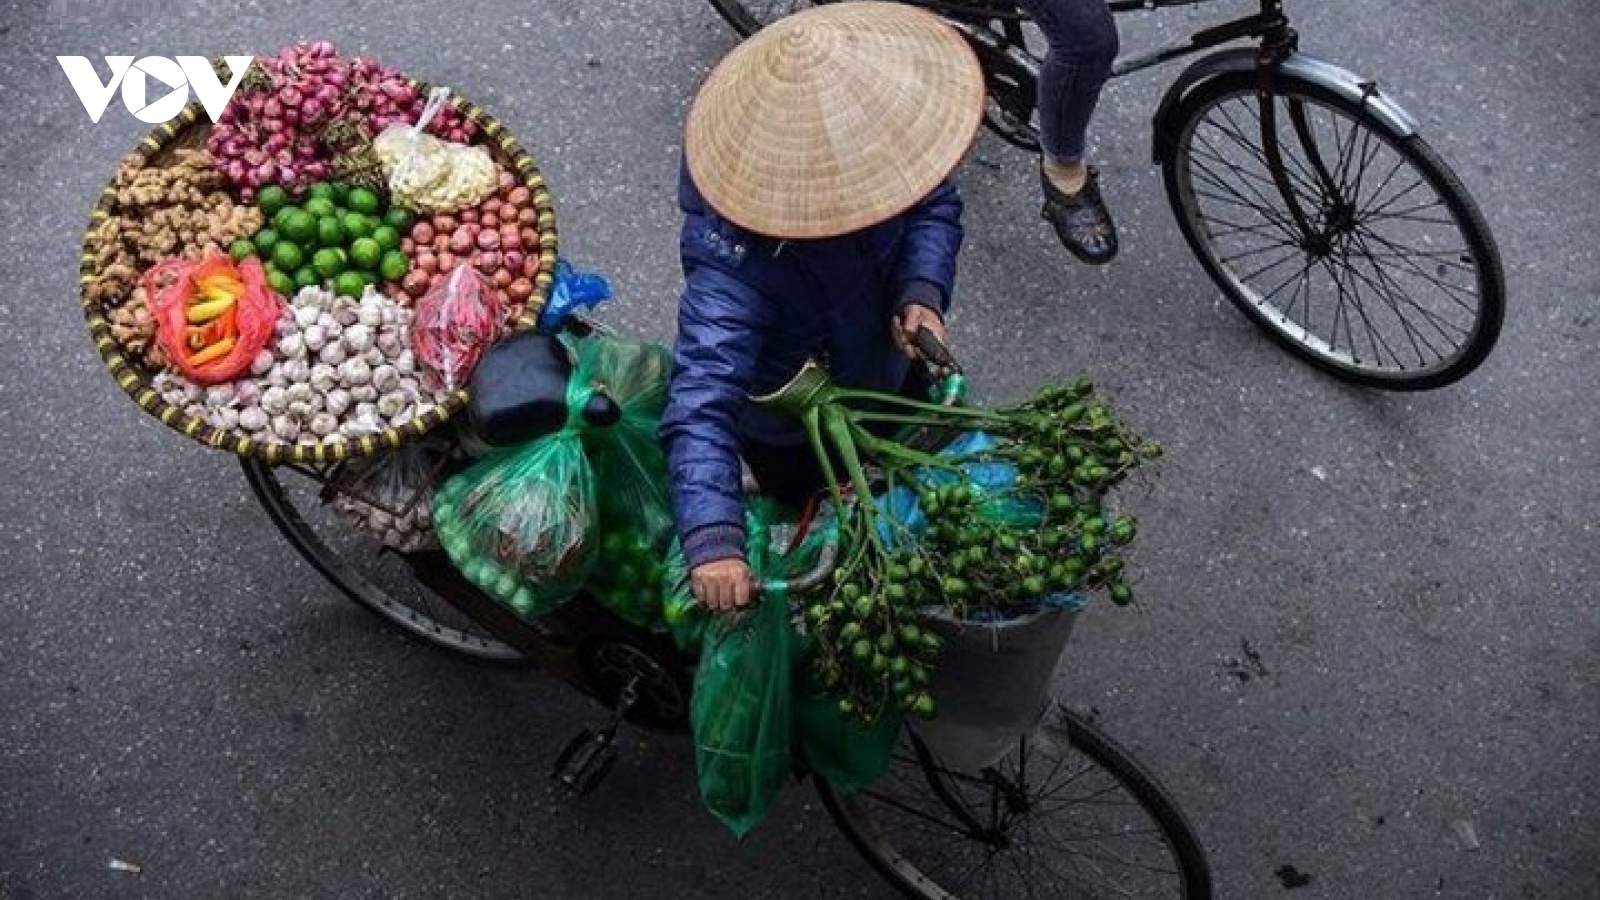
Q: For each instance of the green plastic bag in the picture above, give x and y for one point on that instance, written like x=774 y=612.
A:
x=838 y=750
x=631 y=475
x=741 y=712
x=522 y=523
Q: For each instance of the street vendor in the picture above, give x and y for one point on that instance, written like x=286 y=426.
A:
x=819 y=222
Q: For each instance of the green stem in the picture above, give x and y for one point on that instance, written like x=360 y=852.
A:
x=896 y=401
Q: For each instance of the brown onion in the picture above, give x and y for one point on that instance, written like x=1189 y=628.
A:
x=531 y=267
x=519 y=196
x=488 y=261
x=416 y=282
x=422 y=233
x=461 y=242
x=502 y=278
x=520 y=290
x=408 y=246
x=444 y=223
x=510 y=238
x=507 y=179
x=489 y=240
x=468 y=215
x=527 y=216
x=513 y=260
x=491 y=205
x=447 y=261
x=427 y=261
x=490 y=221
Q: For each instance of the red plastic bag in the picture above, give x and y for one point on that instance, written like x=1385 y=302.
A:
x=456 y=322
x=212 y=316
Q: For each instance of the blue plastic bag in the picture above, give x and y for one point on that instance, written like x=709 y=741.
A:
x=572 y=291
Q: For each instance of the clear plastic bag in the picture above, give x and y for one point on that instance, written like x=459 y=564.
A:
x=455 y=324
x=430 y=175
x=391 y=495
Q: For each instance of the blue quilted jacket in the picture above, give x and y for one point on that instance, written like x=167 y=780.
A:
x=754 y=309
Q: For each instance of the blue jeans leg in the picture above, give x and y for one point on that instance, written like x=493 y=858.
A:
x=1082 y=40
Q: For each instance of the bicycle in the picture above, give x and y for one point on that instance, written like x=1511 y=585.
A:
x=1285 y=175
x=1067 y=812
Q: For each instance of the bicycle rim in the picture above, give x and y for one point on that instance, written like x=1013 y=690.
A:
x=1066 y=814
x=363 y=569
x=1394 y=282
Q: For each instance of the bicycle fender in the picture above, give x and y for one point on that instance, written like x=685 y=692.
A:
x=1341 y=81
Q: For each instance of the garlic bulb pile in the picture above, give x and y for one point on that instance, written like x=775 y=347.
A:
x=338 y=369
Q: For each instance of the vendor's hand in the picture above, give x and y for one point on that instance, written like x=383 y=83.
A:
x=912 y=318
x=723 y=585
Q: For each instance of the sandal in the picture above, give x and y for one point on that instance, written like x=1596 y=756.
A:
x=1081 y=220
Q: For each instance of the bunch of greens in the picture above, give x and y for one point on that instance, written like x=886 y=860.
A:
x=996 y=527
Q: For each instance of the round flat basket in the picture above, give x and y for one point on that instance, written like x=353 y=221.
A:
x=189 y=129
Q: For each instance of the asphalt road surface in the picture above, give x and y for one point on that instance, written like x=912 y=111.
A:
x=1365 y=658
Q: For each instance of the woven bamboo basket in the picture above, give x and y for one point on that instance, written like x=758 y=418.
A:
x=189 y=128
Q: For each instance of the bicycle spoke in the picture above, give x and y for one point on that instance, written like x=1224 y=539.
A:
x=1454 y=292
x=1375 y=339
x=1401 y=297
x=1251 y=144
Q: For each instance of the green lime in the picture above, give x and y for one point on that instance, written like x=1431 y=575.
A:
x=363 y=200
x=328 y=262
x=271 y=199
x=320 y=207
x=264 y=241
x=329 y=232
x=365 y=253
x=282 y=216
x=240 y=249
x=394 y=265
x=399 y=218
x=300 y=227
x=387 y=236
x=356 y=225
x=322 y=190
x=280 y=283
x=349 y=284
x=306 y=276
x=339 y=191
x=287 y=257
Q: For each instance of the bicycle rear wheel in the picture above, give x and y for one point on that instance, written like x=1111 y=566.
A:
x=1066 y=814
x=1393 y=281
x=364 y=570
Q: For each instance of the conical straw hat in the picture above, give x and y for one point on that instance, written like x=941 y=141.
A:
x=834 y=119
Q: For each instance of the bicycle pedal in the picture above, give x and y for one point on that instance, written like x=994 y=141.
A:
x=586 y=760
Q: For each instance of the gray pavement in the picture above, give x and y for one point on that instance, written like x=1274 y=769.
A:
x=1368 y=623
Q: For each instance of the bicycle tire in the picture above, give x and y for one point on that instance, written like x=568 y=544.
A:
x=1467 y=273
x=424 y=618
x=859 y=817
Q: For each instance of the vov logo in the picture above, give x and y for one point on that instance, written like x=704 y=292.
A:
x=134 y=78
